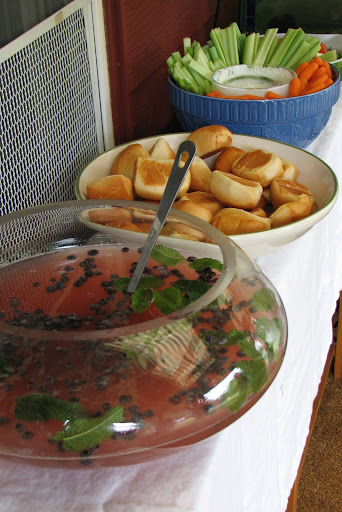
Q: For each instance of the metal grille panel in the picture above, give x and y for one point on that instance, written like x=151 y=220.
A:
x=48 y=127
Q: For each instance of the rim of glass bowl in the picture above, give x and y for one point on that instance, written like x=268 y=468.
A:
x=227 y=247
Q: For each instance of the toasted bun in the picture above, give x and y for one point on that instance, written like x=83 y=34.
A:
x=234 y=221
x=287 y=213
x=261 y=203
x=204 y=198
x=259 y=212
x=234 y=191
x=225 y=160
x=111 y=187
x=290 y=170
x=258 y=165
x=266 y=194
x=151 y=176
x=161 y=149
x=211 y=139
x=125 y=160
x=105 y=215
x=284 y=191
x=200 y=175
x=195 y=209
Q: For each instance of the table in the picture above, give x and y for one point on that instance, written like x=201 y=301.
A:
x=251 y=465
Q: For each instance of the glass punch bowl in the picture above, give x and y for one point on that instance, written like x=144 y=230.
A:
x=91 y=375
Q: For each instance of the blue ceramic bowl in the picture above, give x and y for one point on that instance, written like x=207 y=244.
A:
x=296 y=121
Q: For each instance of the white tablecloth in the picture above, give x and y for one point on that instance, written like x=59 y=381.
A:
x=251 y=465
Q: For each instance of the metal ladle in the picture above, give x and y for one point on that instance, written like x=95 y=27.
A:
x=173 y=185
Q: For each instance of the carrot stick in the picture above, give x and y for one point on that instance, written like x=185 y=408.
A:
x=300 y=68
x=294 y=88
x=320 y=71
x=329 y=82
x=321 y=79
x=327 y=67
x=318 y=61
x=253 y=97
x=273 y=96
x=309 y=71
x=303 y=84
x=311 y=90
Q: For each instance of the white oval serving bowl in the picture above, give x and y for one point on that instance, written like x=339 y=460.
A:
x=313 y=172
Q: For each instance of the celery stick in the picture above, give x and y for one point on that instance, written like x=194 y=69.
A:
x=299 y=38
x=190 y=51
x=213 y=53
x=329 y=56
x=241 y=44
x=265 y=44
x=256 y=44
x=191 y=63
x=282 y=48
x=248 y=49
x=186 y=44
x=309 y=55
x=301 y=51
x=199 y=55
x=217 y=44
x=202 y=70
x=170 y=62
x=222 y=34
x=177 y=56
x=233 y=52
x=218 y=64
x=271 y=51
x=201 y=82
x=307 y=48
x=182 y=77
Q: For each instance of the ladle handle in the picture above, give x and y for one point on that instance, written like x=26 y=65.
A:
x=173 y=185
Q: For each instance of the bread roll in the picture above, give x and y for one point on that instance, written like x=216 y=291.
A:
x=211 y=139
x=259 y=212
x=105 y=215
x=284 y=191
x=225 y=160
x=196 y=209
x=151 y=176
x=234 y=221
x=262 y=202
x=290 y=170
x=200 y=175
x=287 y=213
x=234 y=191
x=125 y=160
x=258 y=165
x=111 y=187
x=266 y=194
x=205 y=198
x=161 y=149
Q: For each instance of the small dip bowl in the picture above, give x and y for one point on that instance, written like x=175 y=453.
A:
x=242 y=79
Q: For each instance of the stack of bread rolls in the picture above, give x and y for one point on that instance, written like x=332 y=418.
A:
x=242 y=192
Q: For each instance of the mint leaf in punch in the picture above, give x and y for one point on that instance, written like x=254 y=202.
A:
x=142 y=299
x=263 y=300
x=202 y=263
x=40 y=407
x=166 y=256
x=87 y=432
